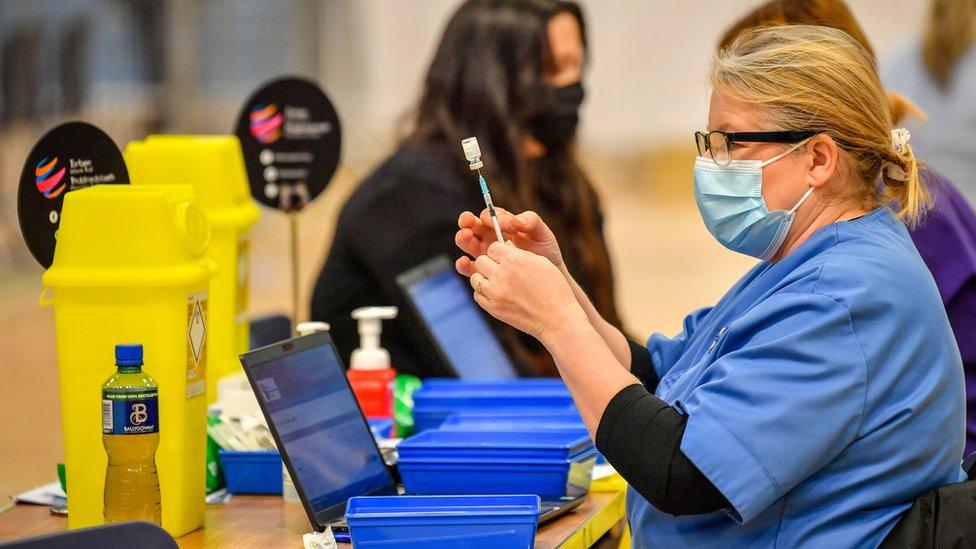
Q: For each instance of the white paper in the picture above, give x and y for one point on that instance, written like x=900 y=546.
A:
x=49 y=494
x=603 y=471
x=319 y=540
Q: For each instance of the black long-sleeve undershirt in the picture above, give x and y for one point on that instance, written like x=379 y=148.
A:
x=640 y=435
x=642 y=366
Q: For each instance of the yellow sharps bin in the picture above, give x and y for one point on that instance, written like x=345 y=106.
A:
x=214 y=166
x=130 y=267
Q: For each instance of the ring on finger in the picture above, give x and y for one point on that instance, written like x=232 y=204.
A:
x=481 y=282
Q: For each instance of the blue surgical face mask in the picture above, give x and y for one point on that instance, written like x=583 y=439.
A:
x=731 y=203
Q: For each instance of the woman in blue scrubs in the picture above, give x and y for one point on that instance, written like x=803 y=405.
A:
x=824 y=392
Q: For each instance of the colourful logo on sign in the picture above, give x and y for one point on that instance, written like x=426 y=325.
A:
x=266 y=123
x=50 y=180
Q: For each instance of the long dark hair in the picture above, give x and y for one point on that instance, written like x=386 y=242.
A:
x=484 y=81
x=483 y=78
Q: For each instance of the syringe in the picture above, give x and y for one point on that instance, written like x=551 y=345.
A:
x=473 y=153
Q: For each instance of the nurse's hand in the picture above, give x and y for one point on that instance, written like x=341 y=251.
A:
x=524 y=290
x=526 y=230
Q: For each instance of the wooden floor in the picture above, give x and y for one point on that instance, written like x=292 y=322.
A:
x=666 y=265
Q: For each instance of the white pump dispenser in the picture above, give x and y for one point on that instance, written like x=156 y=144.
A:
x=306 y=328
x=369 y=355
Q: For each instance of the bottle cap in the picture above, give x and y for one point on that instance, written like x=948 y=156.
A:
x=128 y=355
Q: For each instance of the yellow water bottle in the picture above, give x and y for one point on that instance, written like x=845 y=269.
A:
x=130 y=434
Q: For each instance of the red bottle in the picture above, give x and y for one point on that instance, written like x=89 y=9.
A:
x=370 y=374
x=374 y=391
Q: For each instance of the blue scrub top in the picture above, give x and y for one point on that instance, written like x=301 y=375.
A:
x=824 y=393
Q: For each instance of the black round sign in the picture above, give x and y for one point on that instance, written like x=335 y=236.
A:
x=291 y=138
x=72 y=156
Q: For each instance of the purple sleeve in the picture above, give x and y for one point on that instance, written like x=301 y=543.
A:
x=946 y=240
x=946 y=237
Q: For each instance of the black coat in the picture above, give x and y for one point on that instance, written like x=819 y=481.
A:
x=942 y=518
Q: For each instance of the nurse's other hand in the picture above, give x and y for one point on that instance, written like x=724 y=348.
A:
x=524 y=290
x=526 y=230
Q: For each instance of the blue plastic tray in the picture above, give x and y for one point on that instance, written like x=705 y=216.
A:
x=515 y=422
x=509 y=426
x=433 y=405
x=251 y=472
x=507 y=422
x=545 y=478
x=452 y=522
x=507 y=384
x=549 y=444
x=549 y=463
x=382 y=428
x=489 y=397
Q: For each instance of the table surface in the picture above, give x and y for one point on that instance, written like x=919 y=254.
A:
x=268 y=521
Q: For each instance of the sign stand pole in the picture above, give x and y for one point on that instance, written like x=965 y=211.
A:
x=293 y=229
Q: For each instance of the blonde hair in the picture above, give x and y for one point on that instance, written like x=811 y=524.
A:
x=804 y=77
x=950 y=31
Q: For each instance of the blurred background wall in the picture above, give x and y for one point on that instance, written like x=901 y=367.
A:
x=135 y=67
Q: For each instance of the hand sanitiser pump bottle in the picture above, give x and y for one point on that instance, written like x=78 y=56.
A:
x=370 y=373
x=130 y=434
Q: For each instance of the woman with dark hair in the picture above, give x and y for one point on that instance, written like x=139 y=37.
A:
x=510 y=73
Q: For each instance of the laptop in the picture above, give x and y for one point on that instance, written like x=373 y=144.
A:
x=454 y=322
x=324 y=439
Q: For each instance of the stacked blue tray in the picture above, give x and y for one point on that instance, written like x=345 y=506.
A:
x=530 y=421
x=448 y=522
x=518 y=420
x=438 y=400
x=522 y=383
x=548 y=463
x=514 y=420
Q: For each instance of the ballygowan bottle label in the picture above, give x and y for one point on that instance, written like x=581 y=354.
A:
x=130 y=412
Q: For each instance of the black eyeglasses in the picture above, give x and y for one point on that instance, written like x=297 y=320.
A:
x=719 y=144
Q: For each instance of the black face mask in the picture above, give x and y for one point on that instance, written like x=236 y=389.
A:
x=555 y=121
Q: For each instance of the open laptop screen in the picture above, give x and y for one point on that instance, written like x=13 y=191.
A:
x=459 y=329
x=305 y=395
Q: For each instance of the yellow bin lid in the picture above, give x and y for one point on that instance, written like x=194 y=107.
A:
x=124 y=235
x=212 y=164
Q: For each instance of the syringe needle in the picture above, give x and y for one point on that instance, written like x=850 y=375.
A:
x=473 y=153
x=491 y=207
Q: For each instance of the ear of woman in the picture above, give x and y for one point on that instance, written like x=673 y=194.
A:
x=823 y=161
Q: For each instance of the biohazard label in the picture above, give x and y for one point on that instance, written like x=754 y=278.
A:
x=196 y=349
x=130 y=413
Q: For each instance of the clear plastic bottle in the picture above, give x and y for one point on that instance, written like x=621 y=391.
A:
x=130 y=434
